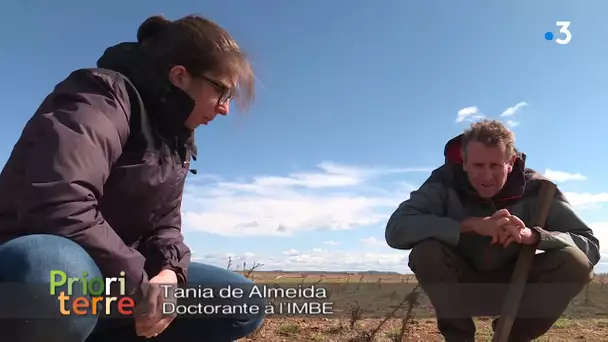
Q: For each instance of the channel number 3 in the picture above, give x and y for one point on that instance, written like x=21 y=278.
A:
x=563 y=28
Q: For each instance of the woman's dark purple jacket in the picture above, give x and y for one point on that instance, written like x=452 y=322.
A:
x=103 y=162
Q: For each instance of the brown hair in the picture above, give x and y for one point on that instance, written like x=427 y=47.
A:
x=491 y=133
x=199 y=45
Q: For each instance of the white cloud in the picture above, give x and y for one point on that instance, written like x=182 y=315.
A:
x=561 y=176
x=317 y=260
x=331 y=175
x=586 y=199
x=472 y=114
x=469 y=114
x=512 y=123
x=600 y=230
x=334 y=197
x=331 y=243
x=513 y=110
x=291 y=252
x=372 y=241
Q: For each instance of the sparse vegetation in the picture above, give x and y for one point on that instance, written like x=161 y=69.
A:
x=391 y=307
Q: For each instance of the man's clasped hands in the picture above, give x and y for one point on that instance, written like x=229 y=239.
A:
x=503 y=227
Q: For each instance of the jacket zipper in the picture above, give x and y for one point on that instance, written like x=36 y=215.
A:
x=488 y=255
x=184 y=162
x=175 y=149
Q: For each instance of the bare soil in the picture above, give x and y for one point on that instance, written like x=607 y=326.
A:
x=375 y=308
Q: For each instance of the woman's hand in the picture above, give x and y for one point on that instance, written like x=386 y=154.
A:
x=149 y=318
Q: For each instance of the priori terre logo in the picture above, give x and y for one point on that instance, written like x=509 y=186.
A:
x=94 y=294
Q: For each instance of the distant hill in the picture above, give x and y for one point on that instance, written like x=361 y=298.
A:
x=332 y=272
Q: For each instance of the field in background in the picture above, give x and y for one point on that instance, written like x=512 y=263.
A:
x=391 y=307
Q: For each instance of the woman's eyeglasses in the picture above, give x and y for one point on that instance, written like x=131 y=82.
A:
x=226 y=93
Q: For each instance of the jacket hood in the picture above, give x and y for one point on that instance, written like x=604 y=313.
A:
x=167 y=106
x=516 y=181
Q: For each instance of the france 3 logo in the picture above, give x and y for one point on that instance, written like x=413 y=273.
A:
x=564 y=37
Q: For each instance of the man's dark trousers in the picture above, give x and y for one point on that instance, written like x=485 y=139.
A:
x=459 y=291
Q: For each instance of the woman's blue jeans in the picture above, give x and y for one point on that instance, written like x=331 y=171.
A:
x=28 y=313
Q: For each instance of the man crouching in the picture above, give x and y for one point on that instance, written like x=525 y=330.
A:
x=466 y=224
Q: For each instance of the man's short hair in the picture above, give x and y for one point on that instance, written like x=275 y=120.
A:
x=491 y=133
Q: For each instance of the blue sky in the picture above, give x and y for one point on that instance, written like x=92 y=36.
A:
x=355 y=102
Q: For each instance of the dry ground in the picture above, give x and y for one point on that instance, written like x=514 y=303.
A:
x=375 y=305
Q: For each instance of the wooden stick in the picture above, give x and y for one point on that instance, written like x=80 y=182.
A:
x=519 y=278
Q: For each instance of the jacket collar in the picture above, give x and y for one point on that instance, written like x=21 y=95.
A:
x=512 y=190
x=167 y=106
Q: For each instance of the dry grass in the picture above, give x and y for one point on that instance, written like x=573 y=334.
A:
x=399 y=311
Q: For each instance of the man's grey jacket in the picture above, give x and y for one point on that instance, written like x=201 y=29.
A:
x=446 y=198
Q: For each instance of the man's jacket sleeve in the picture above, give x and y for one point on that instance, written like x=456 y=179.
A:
x=72 y=148
x=422 y=216
x=565 y=228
